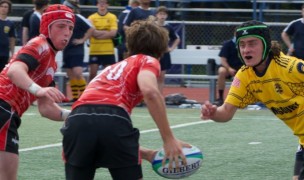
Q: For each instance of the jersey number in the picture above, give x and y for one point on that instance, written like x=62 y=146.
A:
x=116 y=71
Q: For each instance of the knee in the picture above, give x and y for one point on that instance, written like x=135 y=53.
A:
x=222 y=72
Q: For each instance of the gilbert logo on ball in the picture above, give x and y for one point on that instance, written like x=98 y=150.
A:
x=194 y=158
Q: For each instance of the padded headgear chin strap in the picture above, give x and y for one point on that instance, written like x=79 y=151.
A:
x=258 y=31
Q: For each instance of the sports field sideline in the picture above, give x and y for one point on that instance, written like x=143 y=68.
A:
x=255 y=145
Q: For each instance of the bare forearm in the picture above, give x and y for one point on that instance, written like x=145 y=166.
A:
x=51 y=110
x=88 y=34
x=175 y=44
x=12 y=45
x=17 y=70
x=224 y=113
x=24 y=35
x=102 y=34
x=157 y=109
x=286 y=39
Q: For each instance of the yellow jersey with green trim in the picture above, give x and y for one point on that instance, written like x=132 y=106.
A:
x=280 y=88
x=105 y=22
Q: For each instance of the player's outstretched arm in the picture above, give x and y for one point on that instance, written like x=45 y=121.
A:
x=18 y=74
x=223 y=113
x=155 y=103
x=51 y=110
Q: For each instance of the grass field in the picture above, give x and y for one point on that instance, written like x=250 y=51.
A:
x=255 y=145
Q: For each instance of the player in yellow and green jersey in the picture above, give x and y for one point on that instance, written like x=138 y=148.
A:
x=102 y=50
x=268 y=76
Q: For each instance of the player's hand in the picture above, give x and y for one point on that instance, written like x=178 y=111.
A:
x=174 y=152
x=77 y=41
x=184 y=144
x=290 y=51
x=52 y=93
x=232 y=71
x=208 y=110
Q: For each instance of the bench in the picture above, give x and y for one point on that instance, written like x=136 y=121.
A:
x=198 y=55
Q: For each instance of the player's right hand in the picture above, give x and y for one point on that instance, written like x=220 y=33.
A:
x=208 y=110
x=52 y=93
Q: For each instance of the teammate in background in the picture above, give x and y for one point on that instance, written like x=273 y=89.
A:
x=25 y=23
x=102 y=113
x=122 y=50
x=142 y=12
x=29 y=77
x=26 y=19
x=293 y=37
x=174 y=40
x=7 y=33
x=101 y=44
x=35 y=18
x=268 y=76
x=230 y=64
x=73 y=54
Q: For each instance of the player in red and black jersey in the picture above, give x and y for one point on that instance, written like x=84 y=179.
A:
x=99 y=131
x=29 y=77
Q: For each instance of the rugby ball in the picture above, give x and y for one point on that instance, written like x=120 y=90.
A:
x=194 y=158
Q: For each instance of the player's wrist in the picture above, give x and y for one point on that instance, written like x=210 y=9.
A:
x=64 y=114
x=34 y=88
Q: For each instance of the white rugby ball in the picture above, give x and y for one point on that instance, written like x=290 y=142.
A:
x=194 y=158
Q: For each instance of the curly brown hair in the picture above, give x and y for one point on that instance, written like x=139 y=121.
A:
x=276 y=48
x=146 y=37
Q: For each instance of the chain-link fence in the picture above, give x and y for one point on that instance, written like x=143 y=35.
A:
x=197 y=33
x=212 y=33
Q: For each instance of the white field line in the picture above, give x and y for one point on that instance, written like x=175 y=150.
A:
x=142 y=132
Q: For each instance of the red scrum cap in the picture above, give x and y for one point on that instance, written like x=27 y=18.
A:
x=54 y=13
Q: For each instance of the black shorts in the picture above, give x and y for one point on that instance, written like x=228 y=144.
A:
x=103 y=60
x=165 y=62
x=71 y=61
x=9 y=123
x=100 y=135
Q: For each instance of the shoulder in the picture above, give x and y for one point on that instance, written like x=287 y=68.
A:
x=79 y=17
x=9 y=22
x=126 y=11
x=28 y=13
x=38 y=44
x=109 y=14
x=296 y=22
x=168 y=26
x=143 y=58
x=228 y=42
x=135 y=9
x=285 y=60
x=94 y=15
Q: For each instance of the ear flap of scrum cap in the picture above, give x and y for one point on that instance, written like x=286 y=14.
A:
x=53 y=13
